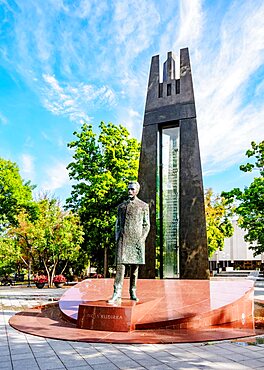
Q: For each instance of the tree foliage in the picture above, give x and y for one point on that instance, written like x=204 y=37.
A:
x=34 y=234
x=50 y=241
x=23 y=240
x=15 y=193
x=10 y=260
x=102 y=165
x=218 y=222
x=249 y=203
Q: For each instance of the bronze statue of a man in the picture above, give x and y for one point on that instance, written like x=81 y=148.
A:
x=132 y=228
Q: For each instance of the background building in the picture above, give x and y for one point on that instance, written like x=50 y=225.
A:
x=236 y=254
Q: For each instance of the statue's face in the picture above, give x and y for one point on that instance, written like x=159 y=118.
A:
x=132 y=191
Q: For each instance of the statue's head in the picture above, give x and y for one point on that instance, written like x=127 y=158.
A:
x=133 y=189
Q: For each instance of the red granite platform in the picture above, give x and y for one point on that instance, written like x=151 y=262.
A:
x=169 y=311
x=176 y=304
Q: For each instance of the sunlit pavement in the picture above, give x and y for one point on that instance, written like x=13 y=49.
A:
x=19 y=351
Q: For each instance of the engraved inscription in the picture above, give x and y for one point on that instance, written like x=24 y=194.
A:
x=104 y=317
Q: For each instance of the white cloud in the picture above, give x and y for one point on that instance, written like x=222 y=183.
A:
x=51 y=80
x=56 y=177
x=135 y=25
x=132 y=119
x=191 y=22
x=260 y=88
x=74 y=101
x=77 y=43
x=132 y=113
x=84 y=9
x=27 y=166
x=227 y=121
x=132 y=27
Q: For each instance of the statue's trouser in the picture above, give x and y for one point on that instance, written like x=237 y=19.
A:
x=133 y=281
x=119 y=280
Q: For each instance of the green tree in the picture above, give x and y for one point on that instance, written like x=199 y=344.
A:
x=102 y=167
x=59 y=236
x=9 y=255
x=52 y=239
x=15 y=196
x=22 y=238
x=218 y=223
x=249 y=203
x=15 y=193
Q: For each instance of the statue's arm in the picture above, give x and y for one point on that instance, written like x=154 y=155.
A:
x=117 y=225
x=146 y=223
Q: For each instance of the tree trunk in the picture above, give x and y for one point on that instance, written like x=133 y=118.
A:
x=29 y=271
x=51 y=273
x=105 y=261
x=47 y=270
x=64 y=268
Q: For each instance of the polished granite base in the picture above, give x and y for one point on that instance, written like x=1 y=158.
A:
x=169 y=311
x=99 y=315
x=175 y=304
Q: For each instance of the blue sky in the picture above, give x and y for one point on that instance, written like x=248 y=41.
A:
x=63 y=62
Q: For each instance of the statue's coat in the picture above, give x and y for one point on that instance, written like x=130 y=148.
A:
x=132 y=227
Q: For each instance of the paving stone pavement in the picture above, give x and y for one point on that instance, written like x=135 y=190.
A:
x=19 y=351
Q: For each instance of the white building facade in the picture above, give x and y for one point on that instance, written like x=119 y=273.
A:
x=236 y=253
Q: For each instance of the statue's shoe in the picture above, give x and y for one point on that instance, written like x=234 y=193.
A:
x=133 y=296
x=115 y=298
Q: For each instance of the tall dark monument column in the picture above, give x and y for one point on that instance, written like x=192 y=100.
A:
x=170 y=175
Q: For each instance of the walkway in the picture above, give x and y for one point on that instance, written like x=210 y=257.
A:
x=19 y=351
